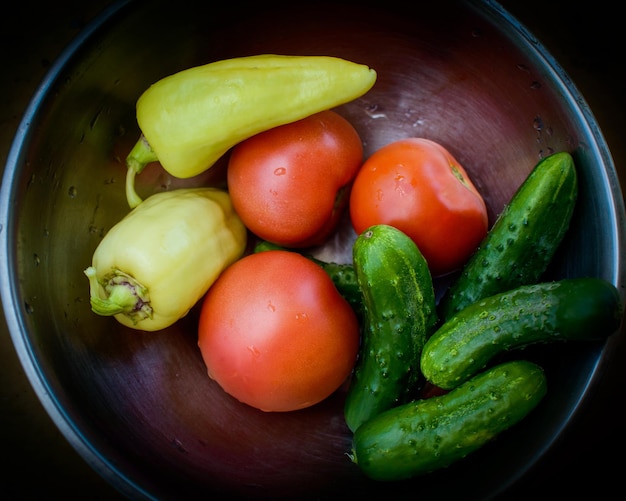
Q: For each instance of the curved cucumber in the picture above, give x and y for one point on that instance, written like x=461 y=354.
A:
x=524 y=238
x=425 y=435
x=400 y=314
x=570 y=309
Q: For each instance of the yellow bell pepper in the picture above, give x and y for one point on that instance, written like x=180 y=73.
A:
x=190 y=119
x=160 y=259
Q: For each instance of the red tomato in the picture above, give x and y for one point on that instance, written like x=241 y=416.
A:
x=290 y=184
x=275 y=333
x=417 y=186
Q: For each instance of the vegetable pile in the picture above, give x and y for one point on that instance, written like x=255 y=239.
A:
x=280 y=329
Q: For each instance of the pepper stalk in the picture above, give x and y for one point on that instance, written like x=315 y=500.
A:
x=141 y=155
x=124 y=295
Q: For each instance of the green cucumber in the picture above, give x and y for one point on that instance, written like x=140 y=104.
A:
x=426 y=435
x=342 y=275
x=400 y=314
x=567 y=310
x=524 y=238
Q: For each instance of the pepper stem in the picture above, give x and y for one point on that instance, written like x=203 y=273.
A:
x=140 y=156
x=124 y=295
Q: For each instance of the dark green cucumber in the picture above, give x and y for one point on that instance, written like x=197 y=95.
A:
x=566 y=310
x=426 y=435
x=342 y=275
x=524 y=238
x=400 y=314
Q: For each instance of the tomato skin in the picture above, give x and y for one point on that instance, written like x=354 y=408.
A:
x=275 y=334
x=416 y=185
x=291 y=184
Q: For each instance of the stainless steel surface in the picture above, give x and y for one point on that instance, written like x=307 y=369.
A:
x=40 y=462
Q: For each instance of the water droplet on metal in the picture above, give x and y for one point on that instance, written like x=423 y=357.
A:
x=373 y=112
x=94 y=120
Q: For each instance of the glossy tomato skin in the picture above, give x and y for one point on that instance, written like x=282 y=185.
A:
x=291 y=184
x=416 y=185
x=275 y=334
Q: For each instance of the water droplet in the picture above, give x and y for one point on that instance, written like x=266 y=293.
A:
x=94 y=120
x=271 y=307
x=28 y=307
x=72 y=192
x=36 y=259
x=280 y=171
x=372 y=111
x=254 y=350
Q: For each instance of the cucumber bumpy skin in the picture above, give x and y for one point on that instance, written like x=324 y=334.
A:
x=523 y=239
x=574 y=309
x=426 y=435
x=400 y=315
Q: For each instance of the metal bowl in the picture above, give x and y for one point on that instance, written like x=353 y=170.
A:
x=139 y=407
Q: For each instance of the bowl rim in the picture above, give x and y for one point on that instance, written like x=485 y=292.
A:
x=14 y=308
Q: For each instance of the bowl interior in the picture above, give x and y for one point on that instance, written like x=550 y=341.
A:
x=139 y=406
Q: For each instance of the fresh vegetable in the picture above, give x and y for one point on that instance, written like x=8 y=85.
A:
x=524 y=238
x=342 y=275
x=566 y=310
x=275 y=334
x=426 y=435
x=417 y=186
x=400 y=314
x=192 y=118
x=158 y=261
x=290 y=184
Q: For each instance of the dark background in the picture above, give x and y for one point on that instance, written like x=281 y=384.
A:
x=586 y=39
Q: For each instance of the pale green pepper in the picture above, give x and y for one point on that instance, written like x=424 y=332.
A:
x=160 y=259
x=192 y=118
